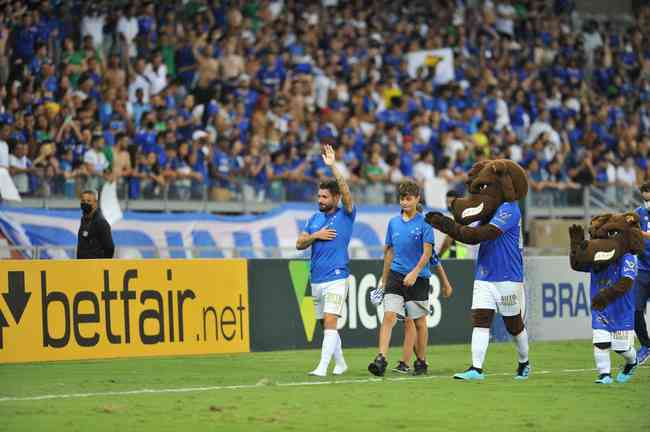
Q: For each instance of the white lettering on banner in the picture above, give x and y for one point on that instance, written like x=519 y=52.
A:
x=357 y=313
x=368 y=282
x=434 y=301
x=352 y=300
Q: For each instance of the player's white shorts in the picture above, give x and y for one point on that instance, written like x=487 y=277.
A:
x=329 y=297
x=505 y=297
x=621 y=340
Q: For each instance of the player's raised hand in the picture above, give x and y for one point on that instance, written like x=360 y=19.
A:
x=325 y=234
x=329 y=156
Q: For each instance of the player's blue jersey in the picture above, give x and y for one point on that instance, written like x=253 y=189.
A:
x=407 y=238
x=618 y=315
x=644 y=258
x=329 y=258
x=500 y=260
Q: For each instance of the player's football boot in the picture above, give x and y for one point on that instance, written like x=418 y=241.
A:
x=402 y=368
x=643 y=355
x=523 y=371
x=420 y=367
x=378 y=365
x=470 y=374
x=318 y=372
x=340 y=368
x=604 y=379
x=626 y=374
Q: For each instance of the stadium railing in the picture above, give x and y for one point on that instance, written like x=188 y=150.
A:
x=242 y=196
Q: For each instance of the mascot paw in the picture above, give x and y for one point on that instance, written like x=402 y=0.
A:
x=599 y=302
x=433 y=218
x=439 y=221
x=576 y=233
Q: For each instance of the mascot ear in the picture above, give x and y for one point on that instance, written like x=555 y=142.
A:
x=473 y=172
x=636 y=242
x=637 y=245
x=597 y=222
x=500 y=168
x=632 y=219
x=476 y=169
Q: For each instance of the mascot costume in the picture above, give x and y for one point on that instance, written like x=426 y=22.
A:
x=490 y=217
x=610 y=257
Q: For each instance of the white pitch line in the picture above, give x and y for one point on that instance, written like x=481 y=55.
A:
x=271 y=384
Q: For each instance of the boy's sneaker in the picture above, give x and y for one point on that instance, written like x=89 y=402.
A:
x=470 y=374
x=626 y=374
x=378 y=365
x=420 y=367
x=402 y=368
x=604 y=379
x=642 y=355
x=523 y=370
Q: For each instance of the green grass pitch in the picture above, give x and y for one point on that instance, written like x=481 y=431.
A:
x=271 y=392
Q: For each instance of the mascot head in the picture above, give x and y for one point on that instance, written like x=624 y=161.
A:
x=490 y=184
x=611 y=236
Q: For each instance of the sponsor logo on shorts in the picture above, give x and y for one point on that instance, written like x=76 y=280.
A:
x=509 y=300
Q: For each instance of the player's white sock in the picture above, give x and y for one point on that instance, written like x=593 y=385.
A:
x=330 y=340
x=603 y=363
x=480 y=341
x=522 y=346
x=341 y=365
x=629 y=356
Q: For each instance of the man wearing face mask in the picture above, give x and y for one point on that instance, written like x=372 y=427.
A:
x=642 y=281
x=94 y=239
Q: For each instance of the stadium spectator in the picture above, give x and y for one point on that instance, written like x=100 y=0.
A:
x=21 y=169
x=522 y=84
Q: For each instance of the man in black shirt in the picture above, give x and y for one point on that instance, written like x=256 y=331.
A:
x=94 y=239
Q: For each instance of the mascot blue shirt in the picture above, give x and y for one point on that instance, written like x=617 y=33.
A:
x=500 y=260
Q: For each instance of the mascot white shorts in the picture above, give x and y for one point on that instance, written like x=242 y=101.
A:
x=505 y=297
x=621 y=340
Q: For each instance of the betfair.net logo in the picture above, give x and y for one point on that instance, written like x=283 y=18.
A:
x=299 y=272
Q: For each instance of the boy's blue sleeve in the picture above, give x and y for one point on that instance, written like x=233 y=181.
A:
x=389 y=235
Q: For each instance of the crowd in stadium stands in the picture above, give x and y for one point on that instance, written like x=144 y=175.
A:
x=232 y=99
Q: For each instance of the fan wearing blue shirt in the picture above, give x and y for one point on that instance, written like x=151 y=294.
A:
x=408 y=254
x=642 y=282
x=328 y=232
